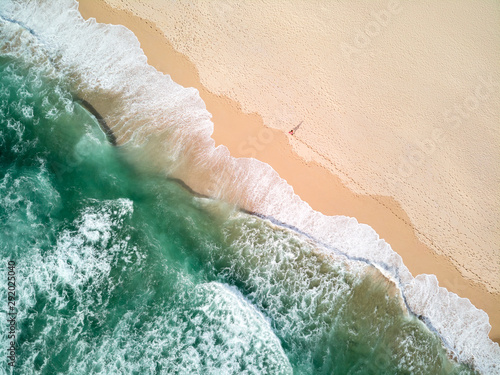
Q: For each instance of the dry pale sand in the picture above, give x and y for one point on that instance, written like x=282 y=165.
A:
x=245 y=134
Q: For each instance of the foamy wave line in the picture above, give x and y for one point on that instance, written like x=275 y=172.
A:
x=167 y=126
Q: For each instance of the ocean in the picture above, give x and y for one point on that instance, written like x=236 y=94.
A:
x=129 y=244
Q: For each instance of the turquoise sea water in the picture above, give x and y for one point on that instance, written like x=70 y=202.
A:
x=121 y=270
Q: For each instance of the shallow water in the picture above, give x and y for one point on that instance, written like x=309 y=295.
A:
x=119 y=269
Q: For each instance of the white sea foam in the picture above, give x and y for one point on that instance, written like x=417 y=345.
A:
x=170 y=129
x=219 y=334
x=209 y=329
x=305 y=294
x=74 y=269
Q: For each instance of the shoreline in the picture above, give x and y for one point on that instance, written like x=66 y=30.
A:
x=239 y=132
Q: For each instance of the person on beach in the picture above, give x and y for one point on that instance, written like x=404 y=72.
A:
x=292 y=132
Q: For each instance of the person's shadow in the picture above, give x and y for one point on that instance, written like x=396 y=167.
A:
x=297 y=127
x=292 y=132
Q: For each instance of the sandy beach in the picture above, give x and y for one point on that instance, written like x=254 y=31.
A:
x=419 y=184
